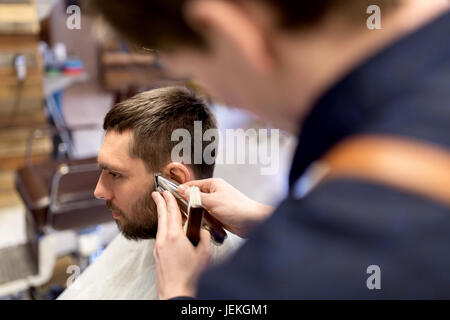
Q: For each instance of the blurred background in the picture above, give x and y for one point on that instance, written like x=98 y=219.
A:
x=57 y=82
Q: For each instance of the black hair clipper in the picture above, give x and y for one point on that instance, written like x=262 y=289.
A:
x=197 y=216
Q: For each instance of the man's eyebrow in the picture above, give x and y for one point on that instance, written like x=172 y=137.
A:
x=108 y=167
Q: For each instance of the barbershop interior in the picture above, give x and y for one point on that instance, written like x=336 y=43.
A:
x=61 y=71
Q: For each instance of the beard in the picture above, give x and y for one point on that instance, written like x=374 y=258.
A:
x=143 y=223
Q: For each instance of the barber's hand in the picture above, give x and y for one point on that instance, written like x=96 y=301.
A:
x=238 y=213
x=178 y=263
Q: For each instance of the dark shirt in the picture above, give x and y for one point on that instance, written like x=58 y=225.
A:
x=320 y=246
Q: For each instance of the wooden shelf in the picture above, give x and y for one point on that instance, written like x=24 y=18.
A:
x=19 y=18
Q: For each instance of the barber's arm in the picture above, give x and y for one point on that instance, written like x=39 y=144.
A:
x=178 y=263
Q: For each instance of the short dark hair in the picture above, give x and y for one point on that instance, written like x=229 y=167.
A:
x=153 y=116
x=160 y=24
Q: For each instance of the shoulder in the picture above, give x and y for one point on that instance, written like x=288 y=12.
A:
x=320 y=246
x=357 y=201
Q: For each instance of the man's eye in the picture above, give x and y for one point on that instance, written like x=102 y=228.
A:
x=114 y=175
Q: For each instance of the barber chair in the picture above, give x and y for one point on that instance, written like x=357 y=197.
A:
x=58 y=195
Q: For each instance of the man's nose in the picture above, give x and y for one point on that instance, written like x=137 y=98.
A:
x=101 y=191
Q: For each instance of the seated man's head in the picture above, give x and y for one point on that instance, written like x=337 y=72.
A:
x=137 y=144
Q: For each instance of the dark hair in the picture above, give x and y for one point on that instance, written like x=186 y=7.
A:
x=153 y=116
x=160 y=24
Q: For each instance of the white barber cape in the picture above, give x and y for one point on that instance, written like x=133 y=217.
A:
x=126 y=270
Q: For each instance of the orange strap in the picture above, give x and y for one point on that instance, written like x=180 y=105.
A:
x=416 y=167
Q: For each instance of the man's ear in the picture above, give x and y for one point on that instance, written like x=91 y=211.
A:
x=177 y=172
x=228 y=23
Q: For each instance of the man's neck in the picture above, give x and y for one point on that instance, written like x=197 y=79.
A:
x=321 y=57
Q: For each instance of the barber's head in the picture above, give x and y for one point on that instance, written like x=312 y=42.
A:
x=259 y=55
x=137 y=144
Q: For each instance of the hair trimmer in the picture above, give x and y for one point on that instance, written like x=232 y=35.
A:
x=197 y=216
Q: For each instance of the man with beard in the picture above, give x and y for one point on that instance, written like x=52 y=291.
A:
x=137 y=144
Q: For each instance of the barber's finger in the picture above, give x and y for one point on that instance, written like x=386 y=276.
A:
x=207 y=198
x=162 y=213
x=204 y=185
x=173 y=211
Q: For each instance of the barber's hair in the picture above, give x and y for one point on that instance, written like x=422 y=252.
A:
x=160 y=24
x=153 y=116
